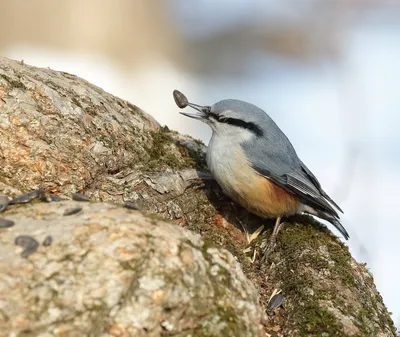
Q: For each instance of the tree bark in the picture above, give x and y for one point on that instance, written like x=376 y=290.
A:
x=118 y=274
x=61 y=133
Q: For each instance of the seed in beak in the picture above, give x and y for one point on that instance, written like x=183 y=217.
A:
x=180 y=99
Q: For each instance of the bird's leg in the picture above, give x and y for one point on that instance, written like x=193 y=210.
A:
x=272 y=240
x=277 y=227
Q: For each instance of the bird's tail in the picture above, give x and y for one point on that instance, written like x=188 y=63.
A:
x=330 y=218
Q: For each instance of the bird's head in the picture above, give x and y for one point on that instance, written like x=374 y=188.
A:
x=227 y=117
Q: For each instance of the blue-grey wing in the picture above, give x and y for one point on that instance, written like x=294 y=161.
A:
x=278 y=162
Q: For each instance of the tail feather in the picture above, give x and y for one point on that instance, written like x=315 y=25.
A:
x=326 y=196
x=340 y=228
x=333 y=220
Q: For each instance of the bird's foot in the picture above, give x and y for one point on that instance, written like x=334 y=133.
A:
x=269 y=249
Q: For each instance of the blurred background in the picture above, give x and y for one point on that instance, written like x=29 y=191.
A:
x=327 y=71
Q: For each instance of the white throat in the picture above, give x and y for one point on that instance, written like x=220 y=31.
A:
x=225 y=157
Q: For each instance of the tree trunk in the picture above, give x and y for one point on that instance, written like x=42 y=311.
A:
x=61 y=133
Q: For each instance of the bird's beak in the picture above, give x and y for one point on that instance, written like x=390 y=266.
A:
x=203 y=112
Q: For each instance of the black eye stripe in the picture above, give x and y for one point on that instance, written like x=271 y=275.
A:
x=238 y=122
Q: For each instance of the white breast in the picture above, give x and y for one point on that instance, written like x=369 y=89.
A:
x=227 y=162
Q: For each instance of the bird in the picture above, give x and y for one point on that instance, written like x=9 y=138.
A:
x=256 y=165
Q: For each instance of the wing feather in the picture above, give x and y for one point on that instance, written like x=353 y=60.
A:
x=298 y=185
x=318 y=185
x=274 y=157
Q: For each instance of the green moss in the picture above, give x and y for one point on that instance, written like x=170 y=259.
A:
x=298 y=238
x=342 y=259
x=299 y=246
x=313 y=268
x=198 y=142
x=165 y=152
x=316 y=321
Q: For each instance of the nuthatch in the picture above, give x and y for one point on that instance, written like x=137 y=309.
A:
x=256 y=165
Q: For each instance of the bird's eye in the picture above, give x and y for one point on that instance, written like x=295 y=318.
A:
x=222 y=119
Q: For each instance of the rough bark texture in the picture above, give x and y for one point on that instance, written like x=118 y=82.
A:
x=114 y=272
x=63 y=134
